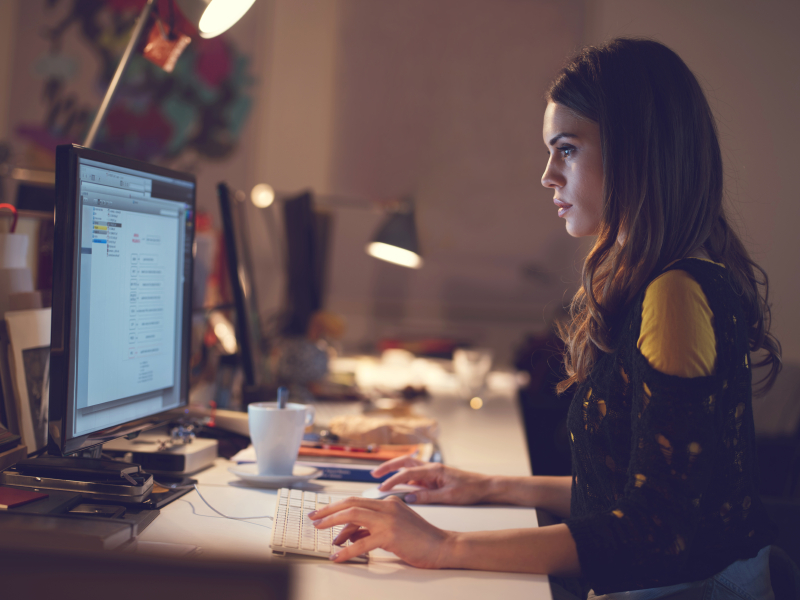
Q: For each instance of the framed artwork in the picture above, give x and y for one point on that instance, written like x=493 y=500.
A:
x=29 y=367
x=194 y=119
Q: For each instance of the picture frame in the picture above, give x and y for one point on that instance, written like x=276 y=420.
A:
x=29 y=367
x=8 y=410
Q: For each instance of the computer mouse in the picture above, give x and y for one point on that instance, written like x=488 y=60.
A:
x=400 y=490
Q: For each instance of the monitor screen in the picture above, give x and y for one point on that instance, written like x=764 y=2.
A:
x=121 y=296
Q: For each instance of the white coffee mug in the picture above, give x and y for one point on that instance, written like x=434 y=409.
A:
x=276 y=434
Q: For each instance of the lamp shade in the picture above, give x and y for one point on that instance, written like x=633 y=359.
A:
x=396 y=241
x=213 y=17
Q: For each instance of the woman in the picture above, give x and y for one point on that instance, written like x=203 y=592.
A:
x=658 y=351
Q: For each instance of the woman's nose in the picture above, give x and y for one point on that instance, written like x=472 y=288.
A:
x=551 y=178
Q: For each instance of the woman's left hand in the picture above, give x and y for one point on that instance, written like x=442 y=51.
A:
x=387 y=524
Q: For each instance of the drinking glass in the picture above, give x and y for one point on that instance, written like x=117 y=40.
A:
x=471 y=367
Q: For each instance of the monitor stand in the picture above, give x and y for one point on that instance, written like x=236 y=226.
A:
x=94 y=477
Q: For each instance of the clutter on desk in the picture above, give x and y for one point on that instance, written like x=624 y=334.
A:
x=12 y=456
x=347 y=466
x=8 y=440
x=25 y=263
x=15 y=276
x=373 y=452
x=55 y=503
x=398 y=373
x=472 y=366
x=159 y=453
x=63 y=519
x=13 y=497
x=249 y=474
x=367 y=429
x=331 y=390
x=429 y=347
x=378 y=454
x=26 y=258
x=27 y=351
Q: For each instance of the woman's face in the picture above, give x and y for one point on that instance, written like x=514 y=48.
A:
x=574 y=168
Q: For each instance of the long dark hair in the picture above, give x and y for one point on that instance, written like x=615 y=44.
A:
x=663 y=189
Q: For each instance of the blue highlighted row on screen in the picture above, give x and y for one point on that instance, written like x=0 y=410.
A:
x=100 y=241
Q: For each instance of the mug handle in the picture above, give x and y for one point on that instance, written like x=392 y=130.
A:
x=311 y=412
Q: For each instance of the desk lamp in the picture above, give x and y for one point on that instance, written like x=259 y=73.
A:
x=396 y=241
x=210 y=17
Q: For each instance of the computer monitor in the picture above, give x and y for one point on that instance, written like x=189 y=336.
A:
x=248 y=324
x=122 y=280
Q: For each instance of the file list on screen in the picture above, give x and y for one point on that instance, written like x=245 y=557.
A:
x=130 y=296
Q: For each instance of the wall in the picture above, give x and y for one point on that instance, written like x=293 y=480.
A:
x=442 y=101
x=8 y=19
x=745 y=55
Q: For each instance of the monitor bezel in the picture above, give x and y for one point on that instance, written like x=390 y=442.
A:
x=246 y=306
x=64 y=263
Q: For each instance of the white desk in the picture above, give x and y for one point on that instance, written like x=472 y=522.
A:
x=490 y=440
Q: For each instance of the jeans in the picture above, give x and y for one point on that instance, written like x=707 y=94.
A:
x=743 y=580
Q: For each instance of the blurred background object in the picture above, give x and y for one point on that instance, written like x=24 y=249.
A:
x=471 y=366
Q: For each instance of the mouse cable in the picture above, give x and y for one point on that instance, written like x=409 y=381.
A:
x=188 y=487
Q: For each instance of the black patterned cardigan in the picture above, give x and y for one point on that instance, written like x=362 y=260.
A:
x=664 y=471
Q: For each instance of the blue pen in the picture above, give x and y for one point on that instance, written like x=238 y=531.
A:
x=283 y=395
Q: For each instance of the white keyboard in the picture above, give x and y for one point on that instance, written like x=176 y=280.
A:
x=293 y=532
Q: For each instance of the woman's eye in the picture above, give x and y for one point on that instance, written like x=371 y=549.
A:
x=566 y=150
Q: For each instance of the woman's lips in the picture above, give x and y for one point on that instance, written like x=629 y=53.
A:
x=563 y=207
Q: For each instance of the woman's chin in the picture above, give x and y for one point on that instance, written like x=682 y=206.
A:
x=574 y=230
x=578 y=229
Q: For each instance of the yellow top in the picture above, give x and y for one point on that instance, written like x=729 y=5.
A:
x=677 y=334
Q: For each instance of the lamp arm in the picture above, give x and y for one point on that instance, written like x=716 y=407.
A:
x=123 y=64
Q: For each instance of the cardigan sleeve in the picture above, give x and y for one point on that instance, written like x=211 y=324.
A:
x=645 y=534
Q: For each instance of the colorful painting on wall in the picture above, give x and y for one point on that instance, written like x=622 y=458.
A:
x=66 y=54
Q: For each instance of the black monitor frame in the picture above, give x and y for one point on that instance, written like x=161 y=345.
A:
x=66 y=242
x=248 y=329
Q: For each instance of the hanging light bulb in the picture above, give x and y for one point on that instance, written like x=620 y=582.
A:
x=213 y=17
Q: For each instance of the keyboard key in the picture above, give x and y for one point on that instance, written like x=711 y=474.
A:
x=293 y=530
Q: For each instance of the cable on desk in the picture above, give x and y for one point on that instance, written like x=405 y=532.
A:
x=188 y=487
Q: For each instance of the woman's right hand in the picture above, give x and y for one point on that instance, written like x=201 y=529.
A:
x=443 y=485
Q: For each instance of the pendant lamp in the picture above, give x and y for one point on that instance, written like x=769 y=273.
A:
x=213 y=17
